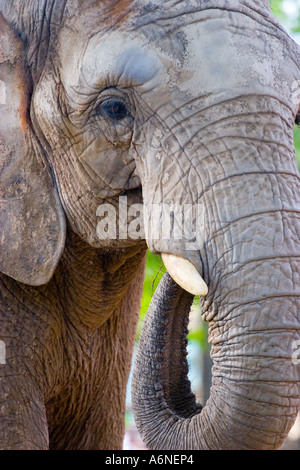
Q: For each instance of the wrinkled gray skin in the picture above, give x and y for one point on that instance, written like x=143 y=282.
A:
x=207 y=87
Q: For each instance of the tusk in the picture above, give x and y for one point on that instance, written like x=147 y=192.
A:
x=184 y=273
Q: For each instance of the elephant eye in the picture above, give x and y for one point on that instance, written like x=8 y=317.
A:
x=114 y=108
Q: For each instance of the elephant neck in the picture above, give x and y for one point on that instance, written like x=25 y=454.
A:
x=93 y=283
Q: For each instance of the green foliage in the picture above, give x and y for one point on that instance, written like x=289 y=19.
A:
x=291 y=22
x=154 y=271
x=199 y=333
x=277 y=9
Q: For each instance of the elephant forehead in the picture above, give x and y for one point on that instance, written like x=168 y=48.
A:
x=122 y=57
x=229 y=58
x=214 y=57
x=113 y=59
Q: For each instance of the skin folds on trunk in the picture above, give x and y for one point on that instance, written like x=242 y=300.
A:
x=254 y=399
x=250 y=258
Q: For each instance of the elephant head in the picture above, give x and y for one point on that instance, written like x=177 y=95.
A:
x=181 y=104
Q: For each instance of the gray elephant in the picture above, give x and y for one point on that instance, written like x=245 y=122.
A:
x=187 y=104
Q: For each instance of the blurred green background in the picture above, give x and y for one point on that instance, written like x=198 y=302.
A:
x=288 y=13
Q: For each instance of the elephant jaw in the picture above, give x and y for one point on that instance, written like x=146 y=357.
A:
x=184 y=273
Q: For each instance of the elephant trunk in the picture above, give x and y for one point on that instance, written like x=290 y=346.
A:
x=249 y=248
x=255 y=387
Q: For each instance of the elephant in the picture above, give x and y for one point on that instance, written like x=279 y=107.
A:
x=185 y=110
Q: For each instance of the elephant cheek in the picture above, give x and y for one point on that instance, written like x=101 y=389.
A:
x=109 y=169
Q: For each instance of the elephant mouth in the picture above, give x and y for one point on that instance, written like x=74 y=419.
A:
x=181 y=270
x=133 y=195
x=132 y=192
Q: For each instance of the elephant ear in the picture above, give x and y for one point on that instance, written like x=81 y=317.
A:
x=32 y=222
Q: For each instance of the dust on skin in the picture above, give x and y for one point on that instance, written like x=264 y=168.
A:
x=10 y=51
x=114 y=11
